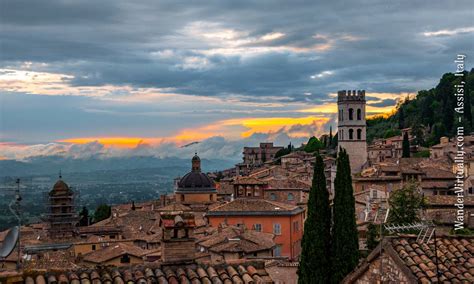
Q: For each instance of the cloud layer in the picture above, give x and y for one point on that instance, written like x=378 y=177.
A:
x=168 y=71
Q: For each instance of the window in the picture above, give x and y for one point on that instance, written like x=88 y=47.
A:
x=258 y=227
x=256 y=192
x=277 y=229
x=277 y=250
x=93 y=247
x=291 y=197
x=125 y=259
x=296 y=226
x=351 y=114
x=351 y=134
x=359 y=114
x=273 y=196
x=359 y=134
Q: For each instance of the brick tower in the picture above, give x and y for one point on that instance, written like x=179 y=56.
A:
x=352 y=127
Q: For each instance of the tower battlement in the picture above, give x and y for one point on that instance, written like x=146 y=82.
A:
x=351 y=95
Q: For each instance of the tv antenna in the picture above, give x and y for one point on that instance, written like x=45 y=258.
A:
x=13 y=236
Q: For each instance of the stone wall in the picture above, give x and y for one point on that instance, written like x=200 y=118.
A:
x=390 y=272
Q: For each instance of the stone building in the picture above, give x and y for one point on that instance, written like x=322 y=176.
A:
x=177 y=243
x=196 y=187
x=254 y=157
x=230 y=243
x=285 y=221
x=352 y=127
x=404 y=260
x=61 y=216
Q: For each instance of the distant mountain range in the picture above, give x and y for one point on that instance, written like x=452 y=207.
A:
x=47 y=165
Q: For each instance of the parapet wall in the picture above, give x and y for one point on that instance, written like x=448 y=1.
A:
x=351 y=95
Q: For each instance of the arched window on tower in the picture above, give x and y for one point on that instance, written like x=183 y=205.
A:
x=359 y=114
x=351 y=134
x=359 y=134
x=351 y=114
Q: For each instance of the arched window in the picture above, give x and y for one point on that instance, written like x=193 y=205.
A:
x=359 y=114
x=291 y=197
x=359 y=134
x=342 y=134
x=342 y=115
x=273 y=196
x=351 y=114
x=351 y=134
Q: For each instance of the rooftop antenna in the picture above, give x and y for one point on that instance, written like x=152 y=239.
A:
x=427 y=230
x=13 y=236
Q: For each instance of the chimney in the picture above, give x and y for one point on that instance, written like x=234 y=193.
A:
x=177 y=241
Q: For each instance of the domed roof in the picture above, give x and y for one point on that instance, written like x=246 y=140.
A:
x=60 y=188
x=195 y=180
x=196 y=158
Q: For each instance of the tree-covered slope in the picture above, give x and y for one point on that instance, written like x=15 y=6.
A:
x=431 y=114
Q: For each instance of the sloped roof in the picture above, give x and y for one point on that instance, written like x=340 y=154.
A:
x=243 y=273
x=242 y=206
x=418 y=260
x=235 y=239
x=113 y=251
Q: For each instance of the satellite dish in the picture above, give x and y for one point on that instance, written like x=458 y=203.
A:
x=9 y=242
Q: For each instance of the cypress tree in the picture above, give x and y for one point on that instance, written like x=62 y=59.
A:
x=315 y=261
x=401 y=118
x=344 y=241
x=330 y=137
x=405 y=146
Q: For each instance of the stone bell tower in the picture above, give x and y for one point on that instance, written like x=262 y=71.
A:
x=352 y=127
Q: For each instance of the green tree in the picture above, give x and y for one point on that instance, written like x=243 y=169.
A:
x=405 y=146
x=315 y=261
x=84 y=217
x=284 y=151
x=313 y=145
x=102 y=212
x=405 y=204
x=330 y=138
x=401 y=118
x=372 y=236
x=344 y=242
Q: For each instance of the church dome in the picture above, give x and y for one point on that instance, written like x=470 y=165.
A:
x=195 y=180
x=60 y=188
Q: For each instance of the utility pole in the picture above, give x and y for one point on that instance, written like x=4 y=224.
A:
x=18 y=211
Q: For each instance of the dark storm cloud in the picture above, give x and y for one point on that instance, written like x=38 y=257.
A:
x=384 y=103
x=375 y=45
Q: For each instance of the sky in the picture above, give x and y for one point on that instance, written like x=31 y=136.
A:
x=116 y=77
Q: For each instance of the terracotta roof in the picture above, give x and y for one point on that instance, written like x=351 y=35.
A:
x=455 y=258
x=418 y=260
x=174 y=207
x=113 y=251
x=248 y=180
x=244 y=206
x=133 y=223
x=448 y=200
x=437 y=184
x=436 y=173
x=226 y=274
x=236 y=239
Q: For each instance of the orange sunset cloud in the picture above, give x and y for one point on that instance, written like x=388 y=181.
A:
x=232 y=128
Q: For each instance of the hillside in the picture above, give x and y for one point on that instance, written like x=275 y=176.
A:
x=430 y=114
